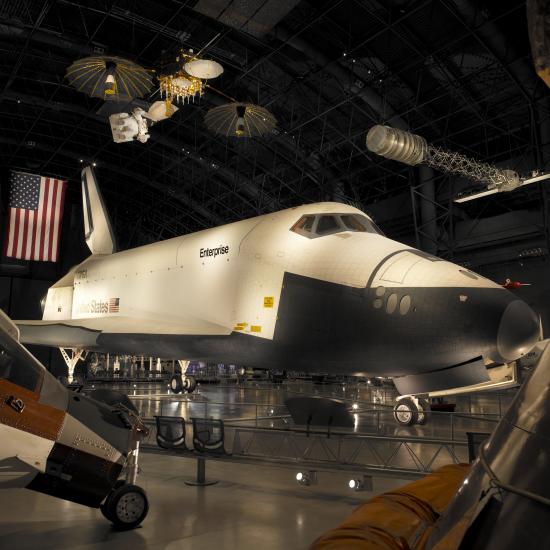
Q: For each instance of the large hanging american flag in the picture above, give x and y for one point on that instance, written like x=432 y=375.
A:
x=34 y=225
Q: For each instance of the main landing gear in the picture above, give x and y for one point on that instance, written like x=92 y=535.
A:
x=180 y=383
x=410 y=410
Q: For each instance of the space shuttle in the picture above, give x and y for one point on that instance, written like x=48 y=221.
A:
x=314 y=288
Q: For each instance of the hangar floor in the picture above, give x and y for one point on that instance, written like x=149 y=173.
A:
x=252 y=505
x=261 y=404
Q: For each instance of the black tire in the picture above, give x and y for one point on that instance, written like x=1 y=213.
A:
x=405 y=412
x=176 y=383
x=105 y=506
x=126 y=507
x=423 y=414
x=190 y=384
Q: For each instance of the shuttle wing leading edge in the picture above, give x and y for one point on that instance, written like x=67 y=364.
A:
x=97 y=225
x=56 y=334
x=84 y=333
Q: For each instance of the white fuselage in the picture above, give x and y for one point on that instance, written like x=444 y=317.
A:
x=259 y=292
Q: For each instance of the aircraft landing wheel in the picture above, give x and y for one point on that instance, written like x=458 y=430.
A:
x=189 y=384
x=126 y=507
x=176 y=383
x=424 y=407
x=405 y=412
x=105 y=510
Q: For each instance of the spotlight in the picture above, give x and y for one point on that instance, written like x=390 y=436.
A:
x=307 y=478
x=355 y=484
x=355 y=406
x=361 y=484
x=94 y=164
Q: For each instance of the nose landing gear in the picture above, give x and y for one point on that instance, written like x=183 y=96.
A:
x=410 y=410
x=180 y=383
x=126 y=506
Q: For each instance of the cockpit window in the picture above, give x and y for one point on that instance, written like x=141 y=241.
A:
x=18 y=369
x=329 y=224
x=306 y=223
x=353 y=223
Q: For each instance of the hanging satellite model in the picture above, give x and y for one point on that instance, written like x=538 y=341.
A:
x=135 y=125
x=182 y=81
x=240 y=120
x=110 y=78
x=116 y=79
x=412 y=149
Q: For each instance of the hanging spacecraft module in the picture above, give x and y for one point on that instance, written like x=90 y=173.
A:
x=66 y=444
x=313 y=288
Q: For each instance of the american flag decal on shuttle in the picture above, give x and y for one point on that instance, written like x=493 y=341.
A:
x=114 y=305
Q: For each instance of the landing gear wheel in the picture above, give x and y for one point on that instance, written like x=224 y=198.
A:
x=176 y=383
x=126 y=507
x=189 y=384
x=405 y=412
x=105 y=510
x=424 y=407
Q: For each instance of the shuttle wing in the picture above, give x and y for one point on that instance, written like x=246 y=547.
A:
x=56 y=334
x=84 y=333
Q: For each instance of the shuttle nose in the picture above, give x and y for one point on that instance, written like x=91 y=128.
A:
x=518 y=331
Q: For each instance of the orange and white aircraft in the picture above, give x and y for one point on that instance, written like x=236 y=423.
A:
x=66 y=444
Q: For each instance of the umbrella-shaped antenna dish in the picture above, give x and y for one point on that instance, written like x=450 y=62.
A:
x=109 y=77
x=240 y=120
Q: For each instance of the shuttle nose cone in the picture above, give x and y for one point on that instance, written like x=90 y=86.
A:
x=518 y=331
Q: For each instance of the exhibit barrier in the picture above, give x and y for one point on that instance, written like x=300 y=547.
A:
x=440 y=425
x=402 y=455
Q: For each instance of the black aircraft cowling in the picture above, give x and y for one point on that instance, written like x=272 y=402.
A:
x=364 y=330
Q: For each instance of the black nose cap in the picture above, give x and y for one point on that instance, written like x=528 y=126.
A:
x=518 y=331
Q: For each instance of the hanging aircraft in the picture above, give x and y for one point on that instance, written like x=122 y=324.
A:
x=314 y=288
x=66 y=444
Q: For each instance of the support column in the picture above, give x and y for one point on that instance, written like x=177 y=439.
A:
x=423 y=197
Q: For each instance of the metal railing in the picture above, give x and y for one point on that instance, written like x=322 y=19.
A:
x=406 y=454
x=451 y=426
x=391 y=455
